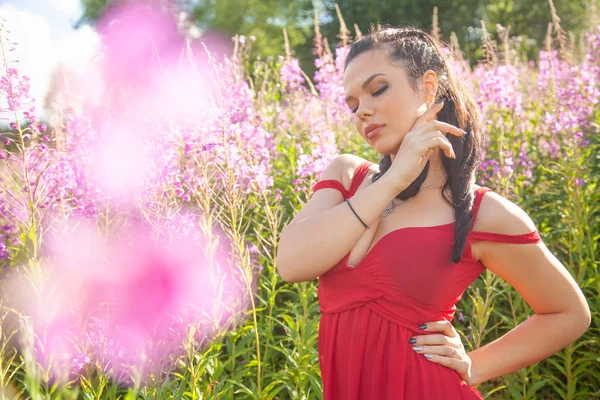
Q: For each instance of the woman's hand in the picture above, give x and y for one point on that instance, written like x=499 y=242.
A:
x=425 y=136
x=445 y=349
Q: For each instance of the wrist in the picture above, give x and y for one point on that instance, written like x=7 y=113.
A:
x=394 y=186
x=474 y=378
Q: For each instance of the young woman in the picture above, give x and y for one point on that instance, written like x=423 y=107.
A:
x=395 y=245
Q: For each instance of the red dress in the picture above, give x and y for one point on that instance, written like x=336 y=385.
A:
x=369 y=312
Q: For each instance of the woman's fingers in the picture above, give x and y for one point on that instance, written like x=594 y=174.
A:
x=446 y=128
x=435 y=130
x=436 y=125
x=441 y=326
x=445 y=351
x=432 y=340
x=443 y=143
x=428 y=115
x=459 y=366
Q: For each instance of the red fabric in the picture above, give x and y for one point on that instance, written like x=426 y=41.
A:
x=369 y=313
x=331 y=184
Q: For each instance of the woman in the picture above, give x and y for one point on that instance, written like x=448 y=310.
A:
x=413 y=233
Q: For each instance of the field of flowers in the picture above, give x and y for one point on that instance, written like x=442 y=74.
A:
x=138 y=234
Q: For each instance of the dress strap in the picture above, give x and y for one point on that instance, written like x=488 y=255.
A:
x=359 y=176
x=525 y=238
x=477 y=202
x=331 y=184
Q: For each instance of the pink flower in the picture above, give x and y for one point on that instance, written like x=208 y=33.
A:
x=156 y=290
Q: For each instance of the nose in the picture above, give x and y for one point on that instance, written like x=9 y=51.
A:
x=363 y=112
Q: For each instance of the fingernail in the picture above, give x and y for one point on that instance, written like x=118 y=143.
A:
x=424 y=326
x=463 y=132
x=429 y=356
x=417 y=348
x=412 y=341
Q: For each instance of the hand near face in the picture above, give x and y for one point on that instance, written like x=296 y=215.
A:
x=418 y=145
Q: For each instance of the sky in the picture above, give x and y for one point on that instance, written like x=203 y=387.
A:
x=43 y=30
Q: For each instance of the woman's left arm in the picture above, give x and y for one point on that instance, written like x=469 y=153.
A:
x=561 y=312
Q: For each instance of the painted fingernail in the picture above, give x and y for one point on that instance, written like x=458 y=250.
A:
x=417 y=348
x=412 y=341
x=428 y=356
x=424 y=326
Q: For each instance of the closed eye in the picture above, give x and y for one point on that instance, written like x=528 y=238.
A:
x=376 y=93
x=380 y=91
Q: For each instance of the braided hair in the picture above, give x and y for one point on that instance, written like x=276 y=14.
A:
x=418 y=52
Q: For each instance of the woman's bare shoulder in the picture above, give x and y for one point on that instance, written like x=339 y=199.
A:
x=349 y=163
x=498 y=214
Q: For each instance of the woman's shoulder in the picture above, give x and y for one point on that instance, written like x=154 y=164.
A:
x=497 y=214
x=348 y=165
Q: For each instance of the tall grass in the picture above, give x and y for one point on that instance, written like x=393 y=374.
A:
x=542 y=121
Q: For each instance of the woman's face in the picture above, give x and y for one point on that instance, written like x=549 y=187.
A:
x=379 y=93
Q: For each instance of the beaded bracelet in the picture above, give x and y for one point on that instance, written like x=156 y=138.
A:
x=366 y=226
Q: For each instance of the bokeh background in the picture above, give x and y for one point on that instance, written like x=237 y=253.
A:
x=152 y=151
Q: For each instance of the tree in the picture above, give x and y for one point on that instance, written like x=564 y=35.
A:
x=265 y=20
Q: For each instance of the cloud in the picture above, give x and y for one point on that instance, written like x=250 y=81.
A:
x=70 y=7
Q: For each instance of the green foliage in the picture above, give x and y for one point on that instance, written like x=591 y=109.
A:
x=265 y=20
x=273 y=353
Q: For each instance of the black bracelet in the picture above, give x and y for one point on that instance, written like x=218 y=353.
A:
x=366 y=226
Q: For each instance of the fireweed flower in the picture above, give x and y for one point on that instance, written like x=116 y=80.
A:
x=321 y=117
x=574 y=90
x=139 y=295
x=291 y=75
x=499 y=89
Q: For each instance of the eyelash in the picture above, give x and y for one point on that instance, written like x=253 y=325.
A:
x=377 y=93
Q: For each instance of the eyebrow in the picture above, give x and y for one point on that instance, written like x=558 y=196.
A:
x=366 y=82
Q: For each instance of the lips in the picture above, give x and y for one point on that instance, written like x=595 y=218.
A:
x=369 y=130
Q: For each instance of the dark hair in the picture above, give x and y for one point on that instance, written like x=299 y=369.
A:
x=419 y=52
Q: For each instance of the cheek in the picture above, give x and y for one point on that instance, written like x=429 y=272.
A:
x=356 y=122
x=401 y=112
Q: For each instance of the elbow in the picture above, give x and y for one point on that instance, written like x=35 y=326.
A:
x=581 y=320
x=283 y=263
x=288 y=267
x=585 y=316
x=280 y=265
x=286 y=273
x=586 y=319
x=283 y=273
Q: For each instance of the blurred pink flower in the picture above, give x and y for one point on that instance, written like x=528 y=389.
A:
x=139 y=293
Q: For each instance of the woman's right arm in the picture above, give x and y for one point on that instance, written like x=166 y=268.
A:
x=326 y=229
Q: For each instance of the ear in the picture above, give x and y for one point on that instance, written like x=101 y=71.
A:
x=429 y=86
